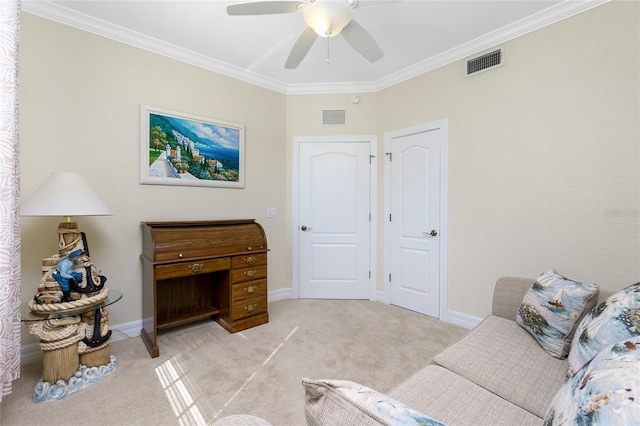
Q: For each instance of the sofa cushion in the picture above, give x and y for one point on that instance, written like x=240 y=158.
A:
x=329 y=402
x=606 y=391
x=503 y=358
x=615 y=319
x=551 y=309
x=452 y=399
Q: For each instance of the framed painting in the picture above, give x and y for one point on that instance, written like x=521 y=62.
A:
x=187 y=150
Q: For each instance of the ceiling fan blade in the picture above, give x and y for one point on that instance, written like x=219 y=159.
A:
x=301 y=48
x=362 y=42
x=263 y=7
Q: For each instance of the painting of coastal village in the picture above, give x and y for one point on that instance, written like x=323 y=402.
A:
x=177 y=149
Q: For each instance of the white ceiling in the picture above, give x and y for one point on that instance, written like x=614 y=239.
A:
x=416 y=36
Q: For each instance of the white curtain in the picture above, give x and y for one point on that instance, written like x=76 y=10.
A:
x=9 y=197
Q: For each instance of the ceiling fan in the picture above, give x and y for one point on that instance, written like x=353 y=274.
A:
x=324 y=18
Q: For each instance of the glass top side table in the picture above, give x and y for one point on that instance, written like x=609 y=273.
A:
x=27 y=315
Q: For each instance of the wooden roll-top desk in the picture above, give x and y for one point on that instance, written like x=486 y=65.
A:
x=199 y=269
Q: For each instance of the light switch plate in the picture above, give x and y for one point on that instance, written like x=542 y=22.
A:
x=271 y=212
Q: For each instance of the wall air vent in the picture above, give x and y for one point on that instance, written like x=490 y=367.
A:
x=485 y=62
x=334 y=117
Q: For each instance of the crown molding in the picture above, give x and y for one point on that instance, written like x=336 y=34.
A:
x=331 y=88
x=66 y=16
x=549 y=16
x=69 y=17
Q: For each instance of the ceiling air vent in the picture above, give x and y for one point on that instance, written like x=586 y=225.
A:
x=334 y=117
x=485 y=62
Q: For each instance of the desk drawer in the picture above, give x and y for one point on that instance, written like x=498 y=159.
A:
x=248 y=289
x=176 y=270
x=246 y=274
x=249 y=260
x=249 y=307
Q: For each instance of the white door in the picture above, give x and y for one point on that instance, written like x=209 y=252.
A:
x=333 y=220
x=414 y=161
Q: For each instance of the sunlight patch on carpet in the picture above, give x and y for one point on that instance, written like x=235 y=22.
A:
x=244 y=385
x=175 y=383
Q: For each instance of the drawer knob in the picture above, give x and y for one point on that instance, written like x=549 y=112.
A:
x=251 y=308
x=250 y=274
x=196 y=267
x=250 y=260
x=251 y=289
x=180 y=255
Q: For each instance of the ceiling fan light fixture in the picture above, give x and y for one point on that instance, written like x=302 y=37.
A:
x=327 y=17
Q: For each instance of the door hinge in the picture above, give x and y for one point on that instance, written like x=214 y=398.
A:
x=390 y=155
x=369 y=217
x=389 y=217
x=369 y=274
x=389 y=277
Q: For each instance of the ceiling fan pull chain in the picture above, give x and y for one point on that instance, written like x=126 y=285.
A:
x=328 y=59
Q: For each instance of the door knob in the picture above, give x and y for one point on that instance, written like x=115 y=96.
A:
x=304 y=228
x=433 y=233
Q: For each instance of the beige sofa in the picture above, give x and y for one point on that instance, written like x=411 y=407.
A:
x=497 y=374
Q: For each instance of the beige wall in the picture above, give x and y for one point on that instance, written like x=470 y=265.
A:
x=544 y=153
x=79 y=108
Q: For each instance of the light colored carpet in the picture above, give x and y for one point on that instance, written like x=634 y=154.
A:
x=205 y=373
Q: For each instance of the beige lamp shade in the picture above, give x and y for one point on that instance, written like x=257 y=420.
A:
x=65 y=194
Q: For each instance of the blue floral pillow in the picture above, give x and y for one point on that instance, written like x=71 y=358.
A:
x=615 y=319
x=345 y=402
x=606 y=391
x=551 y=309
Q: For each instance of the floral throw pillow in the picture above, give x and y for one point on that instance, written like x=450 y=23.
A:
x=606 y=391
x=551 y=309
x=329 y=402
x=615 y=319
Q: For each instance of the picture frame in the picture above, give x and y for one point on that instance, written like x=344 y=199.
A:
x=189 y=150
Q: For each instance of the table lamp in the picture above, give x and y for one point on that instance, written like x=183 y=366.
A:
x=65 y=194
x=73 y=331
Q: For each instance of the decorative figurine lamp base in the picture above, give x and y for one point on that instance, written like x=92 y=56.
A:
x=67 y=313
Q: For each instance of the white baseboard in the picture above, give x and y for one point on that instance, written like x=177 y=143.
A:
x=126 y=330
x=462 y=320
x=31 y=352
x=281 y=294
x=379 y=297
x=452 y=317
